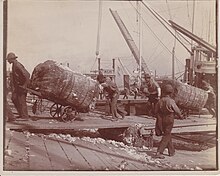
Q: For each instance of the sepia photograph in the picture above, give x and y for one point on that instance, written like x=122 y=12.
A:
x=109 y=87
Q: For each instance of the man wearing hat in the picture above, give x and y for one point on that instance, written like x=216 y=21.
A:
x=20 y=80
x=154 y=91
x=113 y=94
x=165 y=110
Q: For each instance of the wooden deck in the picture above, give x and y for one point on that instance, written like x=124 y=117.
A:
x=25 y=150
x=47 y=153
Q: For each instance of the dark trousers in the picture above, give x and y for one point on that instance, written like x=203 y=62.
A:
x=153 y=100
x=166 y=141
x=115 y=110
x=19 y=100
x=125 y=96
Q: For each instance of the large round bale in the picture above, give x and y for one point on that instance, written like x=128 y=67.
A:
x=63 y=86
x=187 y=96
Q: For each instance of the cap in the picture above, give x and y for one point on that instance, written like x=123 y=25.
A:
x=11 y=56
x=168 y=88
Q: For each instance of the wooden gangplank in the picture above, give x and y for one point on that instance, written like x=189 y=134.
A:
x=191 y=124
x=39 y=153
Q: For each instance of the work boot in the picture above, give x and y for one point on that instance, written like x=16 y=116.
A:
x=121 y=117
x=159 y=155
x=78 y=119
x=114 y=119
x=171 y=154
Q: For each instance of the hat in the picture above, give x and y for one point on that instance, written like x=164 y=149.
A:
x=147 y=75
x=11 y=56
x=168 y=88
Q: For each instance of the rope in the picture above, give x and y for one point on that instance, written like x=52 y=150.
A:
x=160 y=20
x=169 y=9
x=157 y=36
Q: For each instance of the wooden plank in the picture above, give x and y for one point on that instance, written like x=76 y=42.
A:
x=78 y=162
x=7 y=138
x=38 y=154
x=132 y=163
x=101 y=155
x=18 y=159
x=110 y=157
x=90 y=156
x=56 y=155
x=118 y=156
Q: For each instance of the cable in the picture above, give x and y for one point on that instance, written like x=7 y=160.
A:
x=169 y=9
x=93 y=64
x=188 y=12
x=157 y=16
x=156 y=35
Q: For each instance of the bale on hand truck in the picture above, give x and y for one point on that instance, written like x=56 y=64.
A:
x=70 y=91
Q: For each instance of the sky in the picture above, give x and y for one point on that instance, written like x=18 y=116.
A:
x=66 y=31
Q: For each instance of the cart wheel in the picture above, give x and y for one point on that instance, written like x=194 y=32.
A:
x=56 y=110
x=68 y=114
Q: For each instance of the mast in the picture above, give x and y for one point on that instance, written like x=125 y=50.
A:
x=98 y=34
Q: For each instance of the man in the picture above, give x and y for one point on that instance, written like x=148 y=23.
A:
x=135 y=90
x=101 y=79
x=211 y=101
x=9 y=114
x=154 y=91
x=126 y=93
x=20 y=80
x=113 y=94
x=165 y=110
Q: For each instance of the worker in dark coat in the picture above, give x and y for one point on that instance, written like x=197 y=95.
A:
x=20 y=80
x=101 y=79
x=211 y=101
x=9 y=114
x=154 y=91
x=113 y=94
x=165 y=110
x=126 y=93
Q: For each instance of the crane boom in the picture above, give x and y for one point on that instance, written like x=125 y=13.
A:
x=193 y=37
x=129 y=40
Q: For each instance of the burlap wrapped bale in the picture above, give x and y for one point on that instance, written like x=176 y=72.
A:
x=63 y=86
x=187 y=96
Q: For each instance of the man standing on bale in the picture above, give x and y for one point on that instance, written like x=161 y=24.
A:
x=154 y=91
x=165 y=111
x=20 y=80
x=113 y=94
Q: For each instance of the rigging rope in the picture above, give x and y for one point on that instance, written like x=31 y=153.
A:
x=157 y=36
x=160 y=18
x=169 y=9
